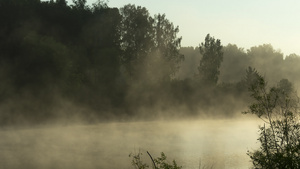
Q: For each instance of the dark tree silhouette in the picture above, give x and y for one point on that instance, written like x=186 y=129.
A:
x=278 y=108
x=167 y=45
x=212 y=56
x=136 y=37
x=150 y=45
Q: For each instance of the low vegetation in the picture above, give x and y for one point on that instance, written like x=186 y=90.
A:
x=157 y=163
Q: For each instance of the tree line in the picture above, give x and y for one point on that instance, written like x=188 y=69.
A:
x=268 y=61
x=97 y=62
x=53 y=54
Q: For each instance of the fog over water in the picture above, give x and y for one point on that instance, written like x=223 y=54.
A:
x=221 y=143
x=83 y=86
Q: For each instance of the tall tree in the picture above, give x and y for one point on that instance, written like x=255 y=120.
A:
x=100 y=39
x=212 y=56
x=167 y=45
x=136 y=36
x=150 y=44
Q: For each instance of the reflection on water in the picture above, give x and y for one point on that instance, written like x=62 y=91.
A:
x=222 y=143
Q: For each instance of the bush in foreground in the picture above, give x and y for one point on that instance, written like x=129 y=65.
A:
x=157 y=163
x=280 y=136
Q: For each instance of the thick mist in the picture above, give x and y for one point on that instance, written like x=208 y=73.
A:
x=221 y=143
x=85 y=86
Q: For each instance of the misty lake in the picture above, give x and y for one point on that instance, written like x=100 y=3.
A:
x=221 y=143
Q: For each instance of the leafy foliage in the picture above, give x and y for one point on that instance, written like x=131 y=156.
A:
x=81 y=54
x=158 y=163
x=278 y=108
x=150 y=47
x=137 y=161
x=212 y=56
x=113 y=63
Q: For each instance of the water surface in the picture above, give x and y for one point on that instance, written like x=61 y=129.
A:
x=221 y=143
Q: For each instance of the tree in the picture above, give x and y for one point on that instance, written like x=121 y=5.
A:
x=189 y=67
x=279 y=137
x=233 y=55
x=61 y=2
x=80 y=4
x=150 y=45
x=290 y=68
x=167 y=45
x=267 y=61
x=136 y=36
x=212 y=56
x=50 y=49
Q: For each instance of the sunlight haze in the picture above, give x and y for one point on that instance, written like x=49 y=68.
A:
x=110 y=84
x=244 y=23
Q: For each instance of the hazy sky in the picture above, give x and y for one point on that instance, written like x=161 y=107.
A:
x=245 y=23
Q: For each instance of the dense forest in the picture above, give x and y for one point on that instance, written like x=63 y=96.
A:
x=95 y=63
